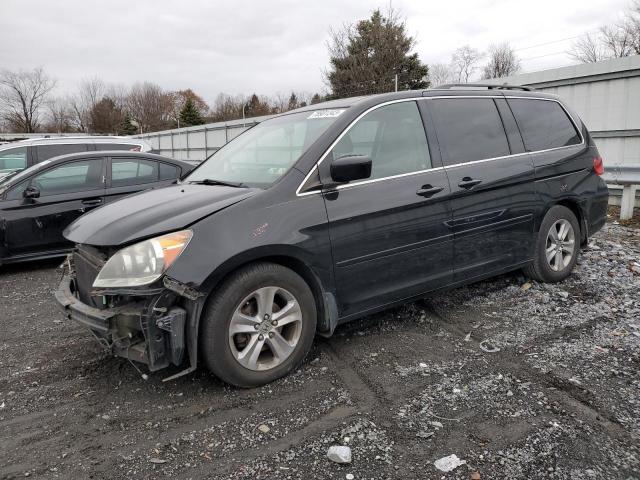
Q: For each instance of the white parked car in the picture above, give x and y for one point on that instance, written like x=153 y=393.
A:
x=17 y=156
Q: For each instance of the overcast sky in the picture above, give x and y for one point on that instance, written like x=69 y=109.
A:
x=267 y=46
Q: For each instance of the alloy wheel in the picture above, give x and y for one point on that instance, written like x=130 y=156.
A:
x=265 y=328
x=560 y=245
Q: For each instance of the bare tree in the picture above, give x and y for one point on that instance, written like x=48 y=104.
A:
x=465 y=62
x=150 y=106
x=23 y=94
x=587 y=49
x=502 y=62
x=611 y=41
x=60 y=117
x=90 y=92
x=441 y=73
x=632 y=26
x=616 y=40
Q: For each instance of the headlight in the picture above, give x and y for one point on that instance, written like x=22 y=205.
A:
x=144 y=262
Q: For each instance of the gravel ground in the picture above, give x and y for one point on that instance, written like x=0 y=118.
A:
x=520 y=380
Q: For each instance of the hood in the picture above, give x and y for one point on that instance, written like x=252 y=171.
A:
x=152 y=212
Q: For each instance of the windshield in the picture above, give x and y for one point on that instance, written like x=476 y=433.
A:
x=261 y=155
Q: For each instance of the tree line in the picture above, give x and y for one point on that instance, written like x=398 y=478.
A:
x=374 y=55
x=621 y=39
x=28 y=105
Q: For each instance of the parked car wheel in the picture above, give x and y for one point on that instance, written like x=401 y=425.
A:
x=258 y=326
x=557 y=246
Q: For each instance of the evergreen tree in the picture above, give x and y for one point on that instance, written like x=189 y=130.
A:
x=366 y=57
x=189 y=115
x=293 y=101
x=256 y=107
x=126 y=127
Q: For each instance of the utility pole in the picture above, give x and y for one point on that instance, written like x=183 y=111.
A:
x=396 y=77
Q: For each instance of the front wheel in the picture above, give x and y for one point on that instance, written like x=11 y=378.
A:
x=557 y=246
x=258 y=326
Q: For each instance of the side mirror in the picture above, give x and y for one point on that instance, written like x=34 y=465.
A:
x=350 y=167
x=31 y=192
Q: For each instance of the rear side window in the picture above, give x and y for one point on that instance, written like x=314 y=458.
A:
x=45 y=152
x=13 y=159
x=168 y=172
x=118 y=146
x=469 y=129
x=71 y=177
x=392 y=136
x=544 y=124
x=131 y=171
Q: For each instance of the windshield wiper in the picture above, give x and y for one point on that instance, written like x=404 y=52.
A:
x=211 y=181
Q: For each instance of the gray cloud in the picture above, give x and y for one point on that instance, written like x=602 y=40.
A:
x=268 y=46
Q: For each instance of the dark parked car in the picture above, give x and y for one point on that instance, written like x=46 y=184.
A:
x=331 y=212
x=17 y=156
x=38 y=203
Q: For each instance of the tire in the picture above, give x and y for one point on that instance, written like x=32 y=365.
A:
x=555 y=269
x=255 y=355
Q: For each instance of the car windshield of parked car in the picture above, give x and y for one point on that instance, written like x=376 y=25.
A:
x=261 y=155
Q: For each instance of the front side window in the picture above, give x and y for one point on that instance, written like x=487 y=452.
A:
x=72 y=177
x=129 y=171
x=13 y=159
x=469 y=129
x=261 y=155
x=544 y=124
x=392 y=136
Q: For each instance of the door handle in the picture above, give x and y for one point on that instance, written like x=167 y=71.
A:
x=428 y=191
x=468 y=183
x=92 y=202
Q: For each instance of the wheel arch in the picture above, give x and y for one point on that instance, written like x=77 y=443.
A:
x=292 y=258
x=576 y=208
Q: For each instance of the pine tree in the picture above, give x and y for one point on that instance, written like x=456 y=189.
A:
x=366 y=57
x=316 y=98
x=293 y=101
x=127 y=127
x=189 y=115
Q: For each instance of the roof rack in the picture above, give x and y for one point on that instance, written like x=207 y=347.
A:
x=488 y=86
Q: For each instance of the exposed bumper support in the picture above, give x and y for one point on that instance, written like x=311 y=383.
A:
x=77 y=311
x=153 y=330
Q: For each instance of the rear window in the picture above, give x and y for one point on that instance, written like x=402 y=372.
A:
x=130 y=171
x=45 y=152
x=544 y=124
x=469 y=129
x=168 y=172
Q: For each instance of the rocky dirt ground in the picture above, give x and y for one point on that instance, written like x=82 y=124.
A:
x=520 y=380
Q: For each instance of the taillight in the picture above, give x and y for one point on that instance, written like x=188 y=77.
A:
x=598 y=166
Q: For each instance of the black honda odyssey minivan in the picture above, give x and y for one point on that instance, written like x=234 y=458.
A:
x=331 y=212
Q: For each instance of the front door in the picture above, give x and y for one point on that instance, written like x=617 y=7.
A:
x=35 y=225
x=492 y=183
x=389 y=233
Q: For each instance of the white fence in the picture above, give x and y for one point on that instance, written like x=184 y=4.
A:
x=197 y=143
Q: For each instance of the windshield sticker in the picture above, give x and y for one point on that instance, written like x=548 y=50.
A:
x=325 y=114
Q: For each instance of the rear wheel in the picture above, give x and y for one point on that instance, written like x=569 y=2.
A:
x=258 y=326
x=557 y=246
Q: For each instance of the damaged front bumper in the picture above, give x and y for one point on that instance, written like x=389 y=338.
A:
x=155 y=327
